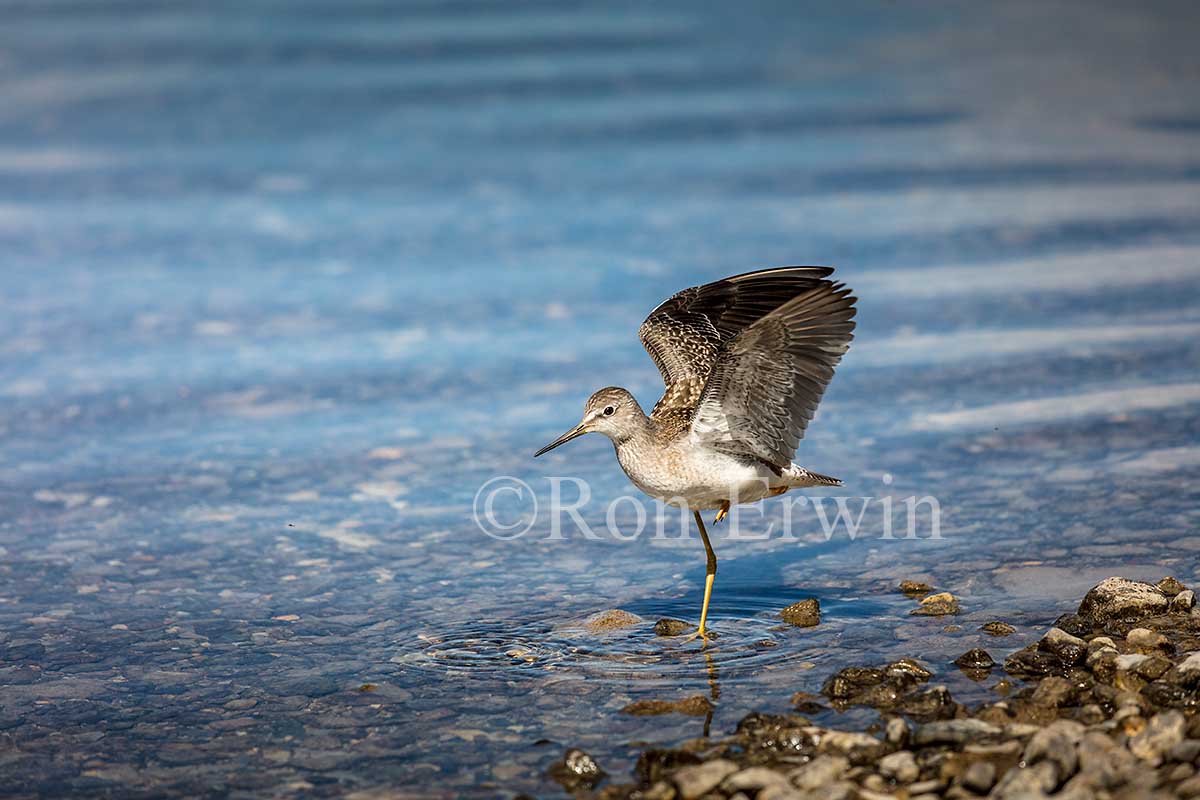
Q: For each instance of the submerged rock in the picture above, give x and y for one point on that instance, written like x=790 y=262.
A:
x=696 y=706
x=998 y=628
x=804 y=614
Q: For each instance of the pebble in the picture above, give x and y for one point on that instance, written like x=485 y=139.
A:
x=1056 y=744
x=977 y=659
x=611 y=620
x=900 y=766
x=754 y=779
x=954 y=731
x=980 y=777
x=1164 y=731
x=1170 y=586
x=937 y=605
x=671 y=627
x=1054 y=692
x=998 y=628
x=1069 y=649
x=821 y=771
x=1145 y=639
x=1186 y=751
x=914 y=587
x=700 y=779
x=576 y=770
x=1183 y=602
x=1189 y=788
x=897 y=731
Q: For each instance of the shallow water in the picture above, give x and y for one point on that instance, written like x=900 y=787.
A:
x=283 y=285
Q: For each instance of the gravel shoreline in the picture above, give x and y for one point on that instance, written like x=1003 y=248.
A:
x=1104 y=705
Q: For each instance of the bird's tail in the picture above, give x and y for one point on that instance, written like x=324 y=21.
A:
x=798 y=477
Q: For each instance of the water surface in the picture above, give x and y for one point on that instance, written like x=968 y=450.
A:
x=284 y=284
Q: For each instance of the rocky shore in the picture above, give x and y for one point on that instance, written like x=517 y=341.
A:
x=1104 y=705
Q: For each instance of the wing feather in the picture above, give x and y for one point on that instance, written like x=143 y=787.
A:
x=768 y=379
x=686 y=333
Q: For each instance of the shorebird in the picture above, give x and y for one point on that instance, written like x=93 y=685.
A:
x=745 y=361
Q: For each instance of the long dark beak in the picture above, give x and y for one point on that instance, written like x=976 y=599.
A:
x=578 y=430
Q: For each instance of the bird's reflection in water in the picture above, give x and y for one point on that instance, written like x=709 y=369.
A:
x=714 y=690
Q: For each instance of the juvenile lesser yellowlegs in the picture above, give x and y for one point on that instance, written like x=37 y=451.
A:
x=745 y=361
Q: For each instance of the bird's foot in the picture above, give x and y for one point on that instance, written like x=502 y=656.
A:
x=722 y=512
x=778 y=490
x=703 y=634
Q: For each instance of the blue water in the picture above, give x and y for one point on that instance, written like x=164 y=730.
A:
x=283 y=284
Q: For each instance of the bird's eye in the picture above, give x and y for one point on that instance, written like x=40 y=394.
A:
x=609 y=411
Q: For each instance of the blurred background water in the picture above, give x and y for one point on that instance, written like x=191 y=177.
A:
x=284 y=282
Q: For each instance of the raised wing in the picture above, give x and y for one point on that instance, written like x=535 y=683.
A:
x=686 y=333
x=768 y=379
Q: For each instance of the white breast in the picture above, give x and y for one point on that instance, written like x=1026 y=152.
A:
x=685 y=475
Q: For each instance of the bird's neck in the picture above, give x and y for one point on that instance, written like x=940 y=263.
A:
x=637 y=434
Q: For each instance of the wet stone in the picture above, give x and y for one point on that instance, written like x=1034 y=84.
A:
x=1069 y=649
x=1170 y=586
x=671 y=627
x=1033 y=662
x=611 y=620
x=915 y=588
x=576 y=770
x=1183 y=602
x=1121 y=598
x=1146 y=640
x=997 y=628
x=1054 y=692
x=937 y=605
x=929 y=704
x=803 y=614
x=976 y=659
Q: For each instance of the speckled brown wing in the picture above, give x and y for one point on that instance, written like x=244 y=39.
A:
x=686 y=333
x=768 y=380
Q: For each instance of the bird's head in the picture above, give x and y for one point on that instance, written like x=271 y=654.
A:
x=611 y=411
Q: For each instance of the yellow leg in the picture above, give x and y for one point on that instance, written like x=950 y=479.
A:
x=710 y=574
